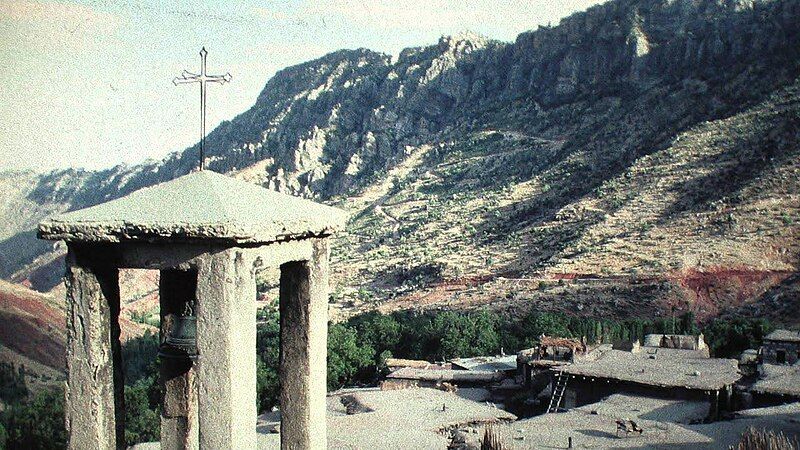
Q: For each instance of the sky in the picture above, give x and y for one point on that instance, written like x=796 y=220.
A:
x=88 y=83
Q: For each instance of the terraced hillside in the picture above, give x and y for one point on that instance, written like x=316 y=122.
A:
x=706 y=219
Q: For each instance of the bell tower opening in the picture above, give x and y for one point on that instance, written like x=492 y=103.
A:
x=177 y=354
x=267 y=347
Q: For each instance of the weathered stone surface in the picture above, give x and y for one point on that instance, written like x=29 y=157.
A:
x=94 y=391
x=226 y=341
x=303 y=354
x=200 y=206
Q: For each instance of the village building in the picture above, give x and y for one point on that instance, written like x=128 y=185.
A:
x=677 y=341
x=774 y=371
x=648 y=371
x=534 y=364
x=486 y=378
x=506 y=364
x=781 y=347
x=776 y=384
x=440 y=378
x=398 y=363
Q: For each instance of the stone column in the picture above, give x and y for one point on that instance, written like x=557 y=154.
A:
x=179 y=404
x=94 y=408
x=226 y=342
x=303 y=355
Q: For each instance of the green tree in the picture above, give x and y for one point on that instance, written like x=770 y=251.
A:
x=140 y=357
x=379 y=331
x=535 y=324
x=729 y=338
x=267 y=386
x=142 y=416
x=486 y=334
x=38 y=424
x=3 y=437
x=454 y=334
x=267 y=353
x=12 y=383
x=346 y=357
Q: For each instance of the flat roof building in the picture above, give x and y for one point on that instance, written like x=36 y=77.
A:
x=781 y=347
x=659 y=372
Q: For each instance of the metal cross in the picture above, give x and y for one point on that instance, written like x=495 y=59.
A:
x=202 y=78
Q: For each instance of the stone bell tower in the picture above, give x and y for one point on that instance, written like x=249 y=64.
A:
x=207 y=234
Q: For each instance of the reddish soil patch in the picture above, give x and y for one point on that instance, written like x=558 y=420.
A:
x=31 y=326
x=711 y=290
x=706 y=292
x=34 y=328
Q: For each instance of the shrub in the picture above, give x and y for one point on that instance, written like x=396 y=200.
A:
x=12 y=383
x=38 y=424
x=753 y=439
x=142 y=416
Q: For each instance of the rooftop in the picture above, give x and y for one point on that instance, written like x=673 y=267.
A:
x=404 y=419
x=575 y=344
x=682 y=341
x=664 y=422
x=449 y=375
x=664 y=367
x=778 y=379
x=202 y=205
x=487 y=363
x=783 y=335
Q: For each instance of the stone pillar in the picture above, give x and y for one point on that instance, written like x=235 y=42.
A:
x=226 y=342
x=94 y=408
x=303 y=354
x=179 y=429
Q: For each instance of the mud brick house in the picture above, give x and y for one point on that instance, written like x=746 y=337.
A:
x=652 y=372
x=778 y=379
x=776 y=384
x=781 y=347
x=534 y=364
x=506 y=364
x=434 y=377
x=677 y=341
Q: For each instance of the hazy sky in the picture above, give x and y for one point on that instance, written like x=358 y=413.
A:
x=88 y=83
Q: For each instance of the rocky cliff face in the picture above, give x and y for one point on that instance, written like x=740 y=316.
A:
x=333 y=127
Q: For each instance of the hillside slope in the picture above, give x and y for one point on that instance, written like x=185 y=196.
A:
x=646 y=148
x=705 y=221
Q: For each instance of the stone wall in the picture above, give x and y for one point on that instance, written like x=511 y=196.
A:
x=780 y=352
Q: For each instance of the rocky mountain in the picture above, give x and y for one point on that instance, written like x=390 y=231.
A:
x=645 y=149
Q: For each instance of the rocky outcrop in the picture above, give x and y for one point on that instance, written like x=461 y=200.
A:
x=333 y=125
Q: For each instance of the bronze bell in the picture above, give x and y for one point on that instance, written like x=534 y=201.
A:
x=181 y=342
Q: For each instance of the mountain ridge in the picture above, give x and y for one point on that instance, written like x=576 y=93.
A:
x=549 y=133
